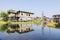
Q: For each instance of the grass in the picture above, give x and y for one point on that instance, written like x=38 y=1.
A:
x=52 y=24
x=37 y=21
x=21 y=22
x=58 y=25
x=29 y=22
x=2 y=22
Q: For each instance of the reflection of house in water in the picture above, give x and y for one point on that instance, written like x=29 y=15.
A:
x=22 y=28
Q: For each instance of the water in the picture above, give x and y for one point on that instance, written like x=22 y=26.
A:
x=28 y=32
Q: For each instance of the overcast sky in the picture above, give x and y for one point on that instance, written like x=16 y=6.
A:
x=49 y=7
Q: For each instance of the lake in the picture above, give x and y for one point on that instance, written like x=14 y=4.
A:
x=28 y=32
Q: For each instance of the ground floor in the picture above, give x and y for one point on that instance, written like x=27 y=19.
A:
x=57 y=20
x=20 y=18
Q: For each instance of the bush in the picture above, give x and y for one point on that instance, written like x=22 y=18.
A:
x=37 y=21
x=58 y=25
x=52 y=24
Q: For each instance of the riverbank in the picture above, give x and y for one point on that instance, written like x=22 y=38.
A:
x=2 y=22
x=51 y=24
x=21 y=22
x=28 y=22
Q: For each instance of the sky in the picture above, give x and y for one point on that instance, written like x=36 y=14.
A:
x=49 y=7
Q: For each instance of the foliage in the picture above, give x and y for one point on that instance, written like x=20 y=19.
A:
x=11 y=10
x=2 y=22
x=58 y=25
x=4 y=15
x=52 y=24
x=3 y=28
x=37 y=22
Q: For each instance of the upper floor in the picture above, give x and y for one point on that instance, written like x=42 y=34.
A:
x=56 y=16
x=20 y=14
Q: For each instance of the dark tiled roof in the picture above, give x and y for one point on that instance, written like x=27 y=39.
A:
x=21 y=11
x=24 y=12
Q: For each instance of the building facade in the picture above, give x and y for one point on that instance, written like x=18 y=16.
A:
x=20 y=16
x=56 y=18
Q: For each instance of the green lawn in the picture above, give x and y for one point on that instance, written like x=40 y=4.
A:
x=21 y=22
x=37 y=21
x=29 y=22
x=2 y=22
x=51 y=24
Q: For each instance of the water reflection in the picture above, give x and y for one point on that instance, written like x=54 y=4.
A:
x=43 y=26
x=41 y=32
x=19 y=28
x=3 y=27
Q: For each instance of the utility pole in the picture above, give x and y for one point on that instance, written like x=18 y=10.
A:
x=43 y=26
x=42 y=18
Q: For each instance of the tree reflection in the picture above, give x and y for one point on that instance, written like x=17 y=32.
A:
x=3 y=27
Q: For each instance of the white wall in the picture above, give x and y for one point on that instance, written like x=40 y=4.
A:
x=10 y=15
x=24 y=17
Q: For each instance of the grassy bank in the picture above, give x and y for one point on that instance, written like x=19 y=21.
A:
x=2 y=22
x=37 y=21
x=21 y=22
x=51 y=24
x=29 y=22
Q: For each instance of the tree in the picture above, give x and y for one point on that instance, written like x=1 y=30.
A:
x=11 y=10
x=4 y=15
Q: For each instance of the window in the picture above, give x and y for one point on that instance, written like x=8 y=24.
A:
x=21 y=13
x=29 y=14
x=54 y=16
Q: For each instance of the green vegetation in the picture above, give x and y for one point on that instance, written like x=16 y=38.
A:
x=3 y=28
x=4 y=15
x=37 y=22
x=52 y=24
x=58 y=25
x=11 y=10
x=11 y=22
x=2 y=22
x=19 y=22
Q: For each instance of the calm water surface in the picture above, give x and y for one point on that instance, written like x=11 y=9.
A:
x=28 y=32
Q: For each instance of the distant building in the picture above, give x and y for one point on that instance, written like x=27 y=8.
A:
x=20 y=16
x=47 y=19
x=37 y=18
x=56 y=18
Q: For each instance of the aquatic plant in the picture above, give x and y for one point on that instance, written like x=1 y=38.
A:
x=37 y=22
